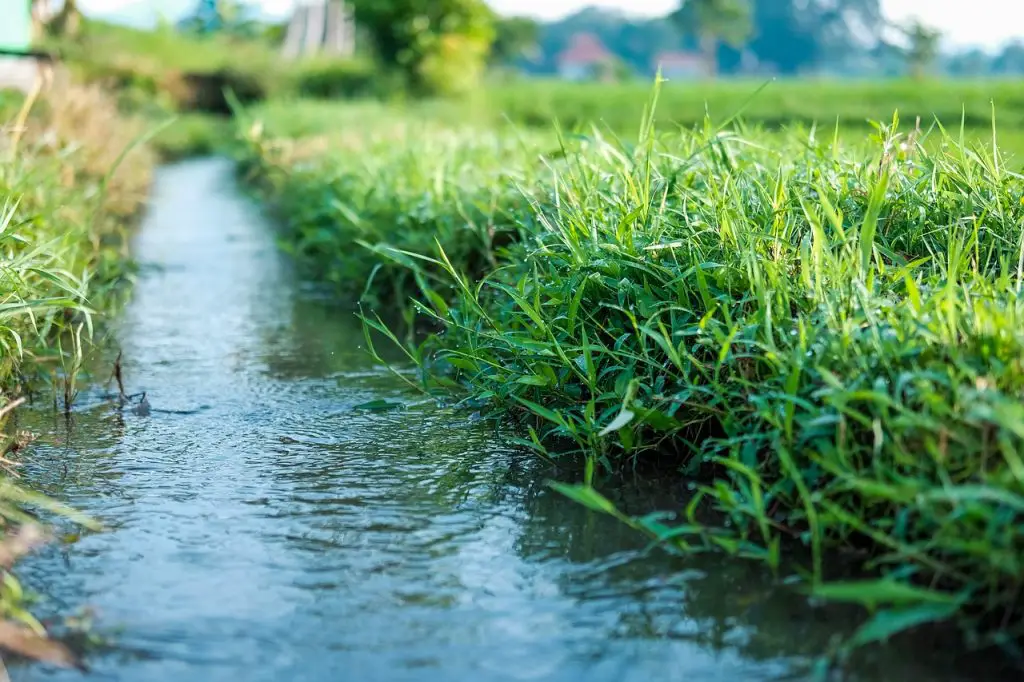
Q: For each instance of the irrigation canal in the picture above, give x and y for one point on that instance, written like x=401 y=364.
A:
x=262 y=528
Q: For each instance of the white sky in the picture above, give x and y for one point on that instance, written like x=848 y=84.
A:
x=964 y=22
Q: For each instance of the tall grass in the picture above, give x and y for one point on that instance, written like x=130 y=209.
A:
x=403 y=184
x=825 y=338
x=66 y=196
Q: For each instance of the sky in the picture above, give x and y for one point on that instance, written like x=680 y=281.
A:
x=987 y=23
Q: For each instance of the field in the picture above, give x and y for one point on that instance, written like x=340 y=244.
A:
x=772 y=104
x=821 y=331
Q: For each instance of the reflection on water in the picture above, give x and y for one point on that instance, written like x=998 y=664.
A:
x=263 y=529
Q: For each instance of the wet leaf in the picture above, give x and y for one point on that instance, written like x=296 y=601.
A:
x=625 y=416
x=889 y=622
x=874 y=592
x=586 y=496
x=533 y=380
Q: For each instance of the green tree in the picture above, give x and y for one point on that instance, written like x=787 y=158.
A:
x=714 y=22
x=1010 y=60
x=68 y=21
x=922 y=48
x=440 y=46
x=515 y=37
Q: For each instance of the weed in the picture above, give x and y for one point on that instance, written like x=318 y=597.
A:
x=825 y=336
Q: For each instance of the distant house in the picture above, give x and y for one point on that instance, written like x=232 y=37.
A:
x=584 y=59
x=681 y=65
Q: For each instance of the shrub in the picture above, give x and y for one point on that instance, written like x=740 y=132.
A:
x=336 y=79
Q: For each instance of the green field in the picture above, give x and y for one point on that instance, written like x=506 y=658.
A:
x=774 y=103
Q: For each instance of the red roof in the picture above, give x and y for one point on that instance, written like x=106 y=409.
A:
x=585 y=49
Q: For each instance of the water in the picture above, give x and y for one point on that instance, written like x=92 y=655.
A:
x=261 y=528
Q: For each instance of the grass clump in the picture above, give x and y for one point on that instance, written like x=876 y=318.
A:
x=403 y=186
x=830 y=343
x=67 y=194
x=825 y=338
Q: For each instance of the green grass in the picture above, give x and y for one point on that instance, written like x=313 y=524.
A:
x=393 y=179
x=777 y=103
x=823 y=334
x=66 y=199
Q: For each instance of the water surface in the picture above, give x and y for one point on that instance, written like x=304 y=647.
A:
x=263 y=529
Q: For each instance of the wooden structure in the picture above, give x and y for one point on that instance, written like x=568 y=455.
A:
x=321 y=27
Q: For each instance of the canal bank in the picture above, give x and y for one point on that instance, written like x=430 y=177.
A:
x=262 y=526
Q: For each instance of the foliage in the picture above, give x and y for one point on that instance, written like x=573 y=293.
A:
x=712 y=21
x=514 y=38
x=227 y=16
x=322 y=200
x=66 y=196
x=825 y=337
x=725 y=20
x=782 y=36
x=922 y=49
x=68 y=21
x=335 y=79
x=441 y=46
x=165 y=70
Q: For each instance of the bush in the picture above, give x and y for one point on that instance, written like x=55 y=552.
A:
x=336 y=79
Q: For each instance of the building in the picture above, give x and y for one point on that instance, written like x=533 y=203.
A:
x=321 y=26
x=681 y=65
x=585 y=58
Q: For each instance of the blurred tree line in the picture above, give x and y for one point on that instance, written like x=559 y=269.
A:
x=784 y=37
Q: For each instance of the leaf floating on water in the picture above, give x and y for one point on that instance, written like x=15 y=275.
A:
x=380 y=406
x=21 y=640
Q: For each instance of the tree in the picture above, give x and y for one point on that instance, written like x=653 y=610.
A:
x=439 y=46
x=792 y=36
x=1010 y=60
x=636 y=41
x=972 y=62
x=68 y=21
x=714 y=21
x=515 y=37
x=922 y=48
